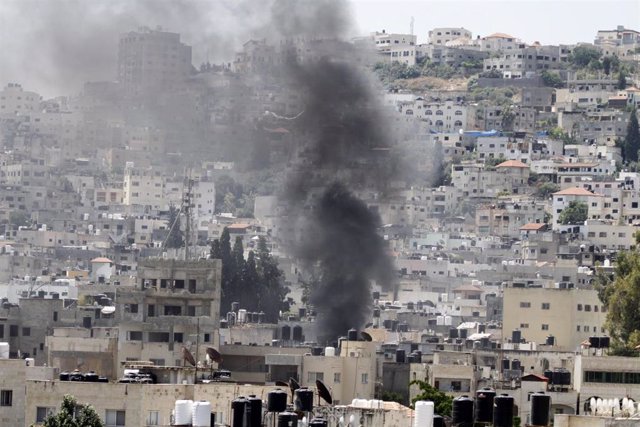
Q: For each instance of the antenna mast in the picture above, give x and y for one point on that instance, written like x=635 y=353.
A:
x=411 y=25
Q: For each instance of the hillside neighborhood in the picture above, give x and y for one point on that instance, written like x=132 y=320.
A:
x=158 y=243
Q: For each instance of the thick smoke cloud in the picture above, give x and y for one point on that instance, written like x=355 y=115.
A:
x=53 y=46
x=345 y=147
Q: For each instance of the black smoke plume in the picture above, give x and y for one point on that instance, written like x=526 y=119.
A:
x=344 y=150
x=349 y=254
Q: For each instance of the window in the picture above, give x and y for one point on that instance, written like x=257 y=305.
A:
x=153 y=419
x=587 y=307
x=313 y=376
x=42 y=412
x=13 y=330
x=6 y=397
x=177 y=337
x=1 y=331
x=336 y=377
x=525 y=304
x=524 y=325
x=151 y=310
x=114 y=418
x=133 y=308
x=546 y=305
x=545 y=327
x=26 y=332
x=365 y=379
x=207 y=337
x=579 y=307
x=134 y=336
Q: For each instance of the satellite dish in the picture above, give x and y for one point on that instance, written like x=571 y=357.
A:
x=214 y=355
x=366 y=336
x=281 y=384
x=324 y=392
x=108 y=309
x=186 y=355
x=293 y=386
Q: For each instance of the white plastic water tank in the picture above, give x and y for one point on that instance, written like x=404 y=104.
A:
x=183 y=412
x=201 y=414
x=4 y=350
x=424 y=414
x=330 y=351
x=29 y=361
x=448 y=320
x=439 y=320
x=242 y=315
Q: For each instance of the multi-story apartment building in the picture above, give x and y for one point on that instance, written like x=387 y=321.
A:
x=151 y=60
x=16 y=101
x=143 y=187
x=570 y=315
x=441 y=36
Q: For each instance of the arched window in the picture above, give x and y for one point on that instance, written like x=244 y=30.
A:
x=458 y=123
x=439 y=113
x=439 y=123
x=428 y=113
x=458 y=113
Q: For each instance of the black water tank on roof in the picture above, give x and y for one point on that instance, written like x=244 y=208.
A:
x=549 y=374
x=296 y=334
x=463 y=333
x=506 y=364
x=238 y=409
x=503 y=411
x=594 y=342
x=318 y=422
x=453 y=333
x=304 y=400
x=287 y=419
x=604 y=342
x=286 y=332
x=255 y=411
x=352 y=335
x=540 y=408
x=462 y=411
x=400 y=356
x=277 y=400
x=516 y=336
x=561 y=376
x=484 y=405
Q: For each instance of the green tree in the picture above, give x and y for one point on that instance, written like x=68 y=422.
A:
x=175 y=238
x=631 y=143
x=622 y=81
x=552 y=79
x=621 y=296
x=273 y=291
x=606 y=65
x=441 y=401
x=576 y=213
x=545 y=190
x=74 y=414
x=583 y=55
x=18 y=219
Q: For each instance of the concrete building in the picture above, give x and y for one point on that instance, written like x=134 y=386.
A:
x=619 y=36
x=16 y=101
x=442 y=36
x=570 y=315
x=14 y=374
x=151 y=60
x=143 y=187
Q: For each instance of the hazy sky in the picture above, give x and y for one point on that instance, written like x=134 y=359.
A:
x=53 y=46
x=546 y=21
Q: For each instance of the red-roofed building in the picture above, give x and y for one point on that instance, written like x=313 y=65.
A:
x=562 y=200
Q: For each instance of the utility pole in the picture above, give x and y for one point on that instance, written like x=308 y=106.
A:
x=187 y=206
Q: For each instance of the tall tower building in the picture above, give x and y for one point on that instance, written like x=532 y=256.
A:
x=149 y=60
